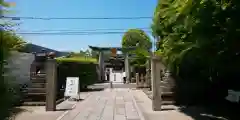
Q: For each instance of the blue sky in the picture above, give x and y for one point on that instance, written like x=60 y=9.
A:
x=81 y=8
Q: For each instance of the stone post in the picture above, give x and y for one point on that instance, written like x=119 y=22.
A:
x=146 y=81
x=142 y=80
x=51 y=84
x=148 y=74
x=101 y=66
x=155 y=78
x=110 y=84
x=137 y=79
x=127 y=68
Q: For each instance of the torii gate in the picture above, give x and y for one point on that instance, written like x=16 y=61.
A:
x=101 y=60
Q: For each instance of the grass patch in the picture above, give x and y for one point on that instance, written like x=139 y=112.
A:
x=77 y=59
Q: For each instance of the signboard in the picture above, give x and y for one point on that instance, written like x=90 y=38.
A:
x=72 y=87
x=233 y=96
x=114 y=51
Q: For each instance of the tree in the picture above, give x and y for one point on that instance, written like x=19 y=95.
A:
x=139 y=39
x=8 y=41
x=199 y=38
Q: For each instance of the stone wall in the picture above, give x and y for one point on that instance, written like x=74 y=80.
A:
x=19 y=66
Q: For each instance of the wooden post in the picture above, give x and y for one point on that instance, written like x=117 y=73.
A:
x=51 y=84
x=137 y=79
x=155 y=78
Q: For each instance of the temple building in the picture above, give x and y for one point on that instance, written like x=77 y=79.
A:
x=113 y=67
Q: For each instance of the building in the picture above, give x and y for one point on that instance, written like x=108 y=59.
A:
x=32 y=48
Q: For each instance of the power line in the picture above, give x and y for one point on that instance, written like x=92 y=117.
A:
x=79 y=30
x=70 y=33
x=74 y=18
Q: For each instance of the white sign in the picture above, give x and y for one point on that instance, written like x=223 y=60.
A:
x=72 y=87
x=233 y=96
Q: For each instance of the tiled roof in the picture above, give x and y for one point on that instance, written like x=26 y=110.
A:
x=30 y=48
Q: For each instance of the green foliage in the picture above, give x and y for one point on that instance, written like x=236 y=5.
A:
x=139 y=39
x=9 y=91
x=83 y=68
x=134 y=36
x=199 y=38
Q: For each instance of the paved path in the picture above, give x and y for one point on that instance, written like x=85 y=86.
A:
x=145 y=106
x=115 y=104
x=39 y=113
x=115 y=85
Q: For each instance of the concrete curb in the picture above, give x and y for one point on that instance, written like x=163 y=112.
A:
x=138 y=109
x=74 y=105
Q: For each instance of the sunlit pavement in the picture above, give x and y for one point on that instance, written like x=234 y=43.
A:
x=109 y=104
x=115 y=85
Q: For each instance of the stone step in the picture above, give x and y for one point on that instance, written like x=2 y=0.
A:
x=166 y=89
x=43 y=73
x=38 y=75
x=34 y=103
x=40 y=93
x=34 y=97
x=40 y=103
x=38 y=80
x=168 y=102
x=167 y=96
x=36 y=90
x=38 y=85
x=166 y=84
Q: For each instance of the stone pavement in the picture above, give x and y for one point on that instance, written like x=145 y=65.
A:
x=110 y=104
x=39 y=113
x=145 y=106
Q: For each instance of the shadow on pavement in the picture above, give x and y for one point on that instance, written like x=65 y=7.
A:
x=65 y=109
x=92 y=89
x=212 y=112
x=15 y=111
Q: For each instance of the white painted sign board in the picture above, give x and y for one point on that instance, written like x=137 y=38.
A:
x=233 y=96
x=72 y=87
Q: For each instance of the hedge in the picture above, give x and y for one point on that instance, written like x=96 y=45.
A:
x=77 y=59
x=84 y=68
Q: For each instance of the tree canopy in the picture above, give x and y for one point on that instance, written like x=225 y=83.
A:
x=8 y=41
x=139 y=39
x=136 y=36
x=199 y=38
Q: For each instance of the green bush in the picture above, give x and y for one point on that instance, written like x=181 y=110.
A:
x=80 y=67
x=10 y=91
x=199 y=44
x=77 y=60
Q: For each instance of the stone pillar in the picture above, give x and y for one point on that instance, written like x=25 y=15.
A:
x=146 y=81
x=155 y=78
x=137 y=79
x=51 y=84
x=127 y=68
x=148 y=74
x=142 y=80
x=131 y=73
x=101 y=66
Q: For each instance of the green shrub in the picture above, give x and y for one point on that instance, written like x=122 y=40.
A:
x=83 y=68
x=77 y=59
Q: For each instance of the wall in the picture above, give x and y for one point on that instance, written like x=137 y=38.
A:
x=19 y=66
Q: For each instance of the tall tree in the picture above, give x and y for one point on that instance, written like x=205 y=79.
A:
x=8 y=41
x=139 y=39
x=199 y=38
